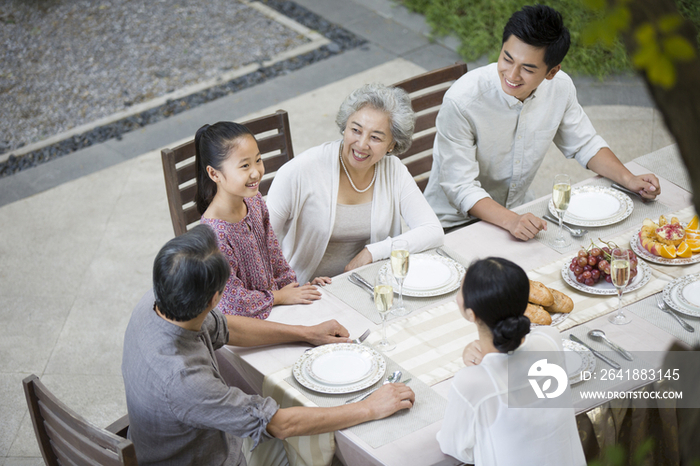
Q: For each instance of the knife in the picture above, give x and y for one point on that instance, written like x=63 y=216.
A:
x=630 y=192
x=553 y=219
x=600 y=356
x=358 y=278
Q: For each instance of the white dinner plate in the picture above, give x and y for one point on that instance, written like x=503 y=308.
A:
x=603 y=287
x=429 y=275
x=595 y=206
x=341 y=366
x=336 y=382
x=682 y=294
x=577 y=358
x=636 y=246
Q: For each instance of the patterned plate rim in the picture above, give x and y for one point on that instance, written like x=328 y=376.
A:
x=644 y=277
x=557 y=318
x=668 y=291
x=636 y=245
x=316 y=354
x=438 y=291
x=623 y=213
x=298 y=373
x=589 y=361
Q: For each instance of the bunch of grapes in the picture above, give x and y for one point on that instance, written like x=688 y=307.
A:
x=593 y=264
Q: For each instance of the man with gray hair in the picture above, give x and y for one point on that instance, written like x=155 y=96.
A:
x=181 y=411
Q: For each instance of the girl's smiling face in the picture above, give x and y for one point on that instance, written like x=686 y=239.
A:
x=242 y=170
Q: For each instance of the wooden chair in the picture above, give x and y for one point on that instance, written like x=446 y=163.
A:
x=66 y=438
x=179 y=166
x=426 y=91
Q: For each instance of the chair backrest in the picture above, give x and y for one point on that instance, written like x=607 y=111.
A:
x=66 y=438
x=426 y=92
x=275 y=144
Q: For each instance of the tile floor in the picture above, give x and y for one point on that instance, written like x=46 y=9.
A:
x=74 y=260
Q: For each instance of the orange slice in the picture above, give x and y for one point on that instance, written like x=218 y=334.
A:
x=684 y=250
x=692 y=234
x=693 y=225
x=668 y=251
x=693 y=244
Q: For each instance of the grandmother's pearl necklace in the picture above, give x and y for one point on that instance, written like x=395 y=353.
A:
x=340 y=154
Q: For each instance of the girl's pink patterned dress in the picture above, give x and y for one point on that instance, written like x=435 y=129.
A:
x=257 y=263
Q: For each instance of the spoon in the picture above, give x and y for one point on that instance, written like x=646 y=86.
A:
x=575 y=232
x=395 y=377
x=599 y=335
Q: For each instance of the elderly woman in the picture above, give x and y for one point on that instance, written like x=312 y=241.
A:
x=338 y=206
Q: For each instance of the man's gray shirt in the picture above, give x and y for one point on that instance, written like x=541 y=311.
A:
x=181 y=412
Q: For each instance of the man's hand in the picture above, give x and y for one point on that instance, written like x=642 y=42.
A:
x=646 y=185
x=363 y=257
x=327 y=332
x=388 y=399
x=295 y=294
x=525 y=226
x=472 y=354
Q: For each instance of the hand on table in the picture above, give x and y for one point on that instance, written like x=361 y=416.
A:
x=388 y=399
x=646 y=185
x=472 y=354
x=526 y=226
x=295 y=294
x=321 y=281
x=363 y=257
x=327 y=332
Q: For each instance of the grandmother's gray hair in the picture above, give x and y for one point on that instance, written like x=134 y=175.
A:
x=392 y=100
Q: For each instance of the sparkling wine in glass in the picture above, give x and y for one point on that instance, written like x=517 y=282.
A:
x=399 y=267
x=383 y=299
x=620 y=274
x=561 y=195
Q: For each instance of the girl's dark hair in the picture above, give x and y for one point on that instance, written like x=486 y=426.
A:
x=187 y=272
x=212 y=144
x=543 y=27
x=496 y=290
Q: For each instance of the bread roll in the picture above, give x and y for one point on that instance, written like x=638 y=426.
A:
x=537 y=314
x=540 y=294
x=562 y=303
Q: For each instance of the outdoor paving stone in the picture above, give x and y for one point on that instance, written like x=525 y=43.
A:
x=433 y=56
x=13 y=408
x=386 y=33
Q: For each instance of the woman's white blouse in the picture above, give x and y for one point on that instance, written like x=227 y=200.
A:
x=480 y=428
x=302 y=203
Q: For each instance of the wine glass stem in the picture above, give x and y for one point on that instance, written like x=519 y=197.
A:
x=384 y=340
x=619 y=302
x=400 y=280
x=561 y=225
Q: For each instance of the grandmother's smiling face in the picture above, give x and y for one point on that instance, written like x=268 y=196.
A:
x=367 y=138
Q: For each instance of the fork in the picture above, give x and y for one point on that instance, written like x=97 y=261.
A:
x=575 y=232
x=362 y=337
x=662 y=305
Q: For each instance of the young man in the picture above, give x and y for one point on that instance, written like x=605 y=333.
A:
x=181 y=411
x=497 y=122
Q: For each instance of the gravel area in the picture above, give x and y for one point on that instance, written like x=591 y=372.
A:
x=66 y=62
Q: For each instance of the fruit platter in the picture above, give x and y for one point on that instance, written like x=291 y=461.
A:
x=589 y=270
x=668 y=242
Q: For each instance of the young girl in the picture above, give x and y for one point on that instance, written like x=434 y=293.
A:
x=229 y=169
x=490 y=421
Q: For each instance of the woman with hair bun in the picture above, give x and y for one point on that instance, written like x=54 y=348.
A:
x=489 y=421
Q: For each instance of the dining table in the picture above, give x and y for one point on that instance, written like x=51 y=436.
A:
x=431 y=338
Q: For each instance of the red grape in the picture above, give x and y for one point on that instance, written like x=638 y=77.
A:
x=608 y=278
x=582 y=253
x=595 y=252
x=592 y=260
x=580 y=279
x=595 y=274
x=582 y=261
x=578 y=270
x=587 y=268
x=589 y=282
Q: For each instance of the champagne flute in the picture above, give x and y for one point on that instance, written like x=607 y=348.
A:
x=383 y=299
x=620 y=274
x=399 y=266
x=561 y=195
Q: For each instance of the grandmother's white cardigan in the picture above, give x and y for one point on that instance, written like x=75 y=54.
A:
x=302 y=203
